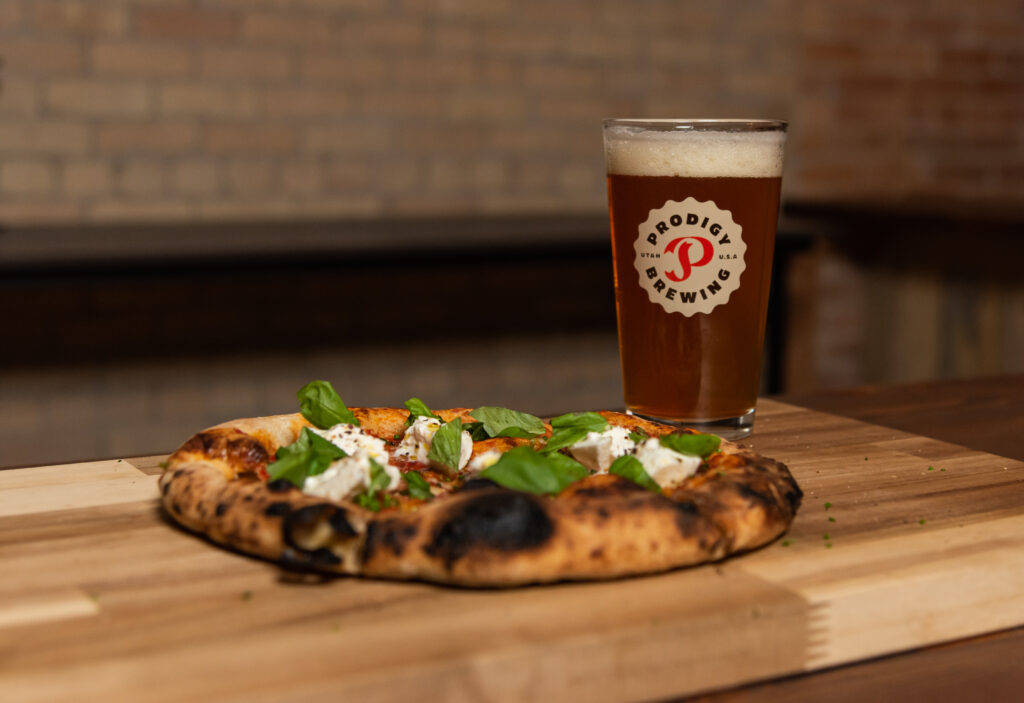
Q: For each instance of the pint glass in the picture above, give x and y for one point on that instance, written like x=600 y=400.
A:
x=693 y=207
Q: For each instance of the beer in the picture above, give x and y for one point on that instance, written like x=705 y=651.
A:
x=693 y=209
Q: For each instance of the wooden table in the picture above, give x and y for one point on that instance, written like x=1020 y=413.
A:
x=103 y=600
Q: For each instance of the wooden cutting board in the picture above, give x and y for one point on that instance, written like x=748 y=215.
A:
x=902 y=541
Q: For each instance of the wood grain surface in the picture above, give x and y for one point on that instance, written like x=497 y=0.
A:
x=902 y=541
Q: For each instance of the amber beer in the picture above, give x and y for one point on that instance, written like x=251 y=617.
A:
x=693 y=208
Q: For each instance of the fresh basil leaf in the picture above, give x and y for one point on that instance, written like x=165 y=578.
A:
x=628 y=466
x=309 y=455
x=374 y=497
x=523 y=469
x=418 y=486
x=446 y=448
x=476 y=430
x=638 y=435
x=702 y=445
x=417 y=408
x=502 y=422
x=322 y=406
x=571 y=428
x=592 y=421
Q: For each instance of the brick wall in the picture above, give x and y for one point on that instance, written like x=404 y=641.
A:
x=218 y=109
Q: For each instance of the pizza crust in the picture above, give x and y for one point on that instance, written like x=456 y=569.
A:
x=603 y=526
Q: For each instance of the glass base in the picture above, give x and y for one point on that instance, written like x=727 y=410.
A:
x=731 y=428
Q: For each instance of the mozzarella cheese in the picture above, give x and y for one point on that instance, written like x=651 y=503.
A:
x=350 y=475
x=666 y=466
x=419 y=438
x=598 y=450
x=484 y=460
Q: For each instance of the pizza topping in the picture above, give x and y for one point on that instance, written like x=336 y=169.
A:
x=502 y=422
x=445 y=446
x=417 y=408
x=570 y=428
x=630 y=467
x=358 y=475
x=323 y=407
x=665 y=465
x=483 y=461
x=309 y=455
x=417 y=486
x=523 y=469
x=699 y=444
x=597 y=450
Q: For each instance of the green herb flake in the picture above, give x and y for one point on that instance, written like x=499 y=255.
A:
x=638 y=435
x=418 y=487
x=523 y=469
x=931 y=468
x=323 y=407
x=571 y=428
x=865 y=458
x=826 y=537
x=702 y=445
x=164 y=464
x=827 y=506
x=629 y=466
x=446 y=448
x=831 y=519
x=828 y=545
x=941 y=469
x=921 y=522
x=786 y=543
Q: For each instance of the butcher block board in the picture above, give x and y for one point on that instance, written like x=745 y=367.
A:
x=902 y=541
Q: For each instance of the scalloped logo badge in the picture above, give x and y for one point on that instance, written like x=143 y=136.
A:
x=689 y=256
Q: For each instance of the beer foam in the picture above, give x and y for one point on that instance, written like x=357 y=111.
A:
x=693 y=154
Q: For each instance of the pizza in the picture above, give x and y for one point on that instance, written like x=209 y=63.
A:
x=482 y=497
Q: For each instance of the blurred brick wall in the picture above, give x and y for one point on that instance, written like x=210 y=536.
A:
x=214 y=109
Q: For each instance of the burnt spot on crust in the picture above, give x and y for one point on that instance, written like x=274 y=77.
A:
x=240 y=451
x=754 y=496
x=606 y=489
x=175 y=508
x=314 y=526
x=164 y=487
x=277 y=508
x=387 y=534
x=506 y=521
x=280 y=485
x=475 y=484
x=220 y=509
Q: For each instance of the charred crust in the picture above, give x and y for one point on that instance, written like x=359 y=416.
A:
x=305 y=520
x=755 y=496
x=178 y=473
x=387 y=535
x=475 y=484
x=278 y=508
x=220 y=509
x=504 y=521
x=280 y=485
x=323 y=557
x=611 y=488
x=164 y=487
x=242 y=452
x=175 y=508
x=340 y=524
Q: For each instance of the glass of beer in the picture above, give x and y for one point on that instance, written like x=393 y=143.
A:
x=693 y=207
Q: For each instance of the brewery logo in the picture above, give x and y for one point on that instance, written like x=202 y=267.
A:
x=689 y=256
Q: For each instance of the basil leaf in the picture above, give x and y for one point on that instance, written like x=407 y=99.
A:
x=476 y=431
x=638 y=435
x=571 y=428
x=446 y=448
x=322 y=406
x=417 y=408
x=523 y=469
x=629 y=466
x=374 y=497
x=309 y=455
x=703 y=445
x=502 y=422
x=418 y=486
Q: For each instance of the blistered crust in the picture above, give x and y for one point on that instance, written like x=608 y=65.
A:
x=603 y=526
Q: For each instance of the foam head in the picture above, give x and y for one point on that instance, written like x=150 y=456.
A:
x=703 y=153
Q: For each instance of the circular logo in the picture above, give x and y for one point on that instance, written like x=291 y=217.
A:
x=689 y=256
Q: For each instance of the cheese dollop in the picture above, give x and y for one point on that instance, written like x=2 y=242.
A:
x=598 y=450
x=350 y=475
x=483 y=460
x=419 y=438
x=666 y=466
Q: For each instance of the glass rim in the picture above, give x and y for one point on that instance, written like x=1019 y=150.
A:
x=698 y=125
